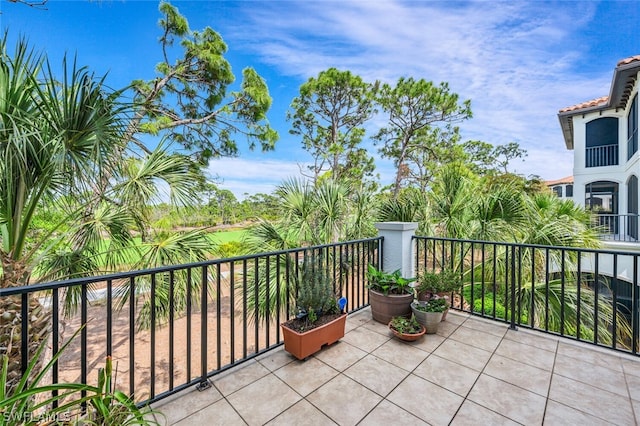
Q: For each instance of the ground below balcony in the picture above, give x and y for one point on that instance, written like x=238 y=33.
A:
x=472 y=372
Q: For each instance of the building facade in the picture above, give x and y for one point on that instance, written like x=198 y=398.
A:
x=603 y=133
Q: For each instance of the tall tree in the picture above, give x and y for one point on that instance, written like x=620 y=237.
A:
x=329 y=115
x=485 y=158
x=189 y=100
x=417 y=111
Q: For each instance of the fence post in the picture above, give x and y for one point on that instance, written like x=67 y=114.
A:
x=512 y=322
x=397 y=250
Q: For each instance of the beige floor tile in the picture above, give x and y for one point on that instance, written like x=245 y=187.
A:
x=387 y=413
x=477 y=338
x=306 y=376
x=275 y=359
x=357 y=319
x=446 y=328
x=425 y=400
x=591 y=400
x=400 y=353
x=344 y=401
x=522 y=375
x=472 y=414
x=590 y=354
x=175 y=409
x=340 y=355
x=377 y=327
x=463 y=354
x=600 y=377
x=454 y=377
x=494 y=328
x=236 y=378
x=263 y=400
x=633 y=384
x=526 y=354
x=538 y=340
x=636 y=410
x=365 y=339
x=631 y=365
x=302 y=413
x=456 y=317
x=429 y=343
x=376 y=374
x=508 y=400
x=218 y=414
x=560 y=415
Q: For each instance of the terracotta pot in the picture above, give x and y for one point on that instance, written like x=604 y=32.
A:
x=383 y=308
x=406 y=336
x=302 y=345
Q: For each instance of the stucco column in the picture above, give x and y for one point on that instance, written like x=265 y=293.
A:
x=397 y=250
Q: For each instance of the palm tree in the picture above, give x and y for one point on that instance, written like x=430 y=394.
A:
x=58 y=142
x=310 y=215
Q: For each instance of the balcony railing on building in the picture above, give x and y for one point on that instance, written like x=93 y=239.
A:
x=600 y=156
x=225 y=320
x=617 y=227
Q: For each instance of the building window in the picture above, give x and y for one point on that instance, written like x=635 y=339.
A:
x=557 y=190
x=602 y=142
x=632 y=208
x=569 y=191
x=602 y=198
x=632 y=128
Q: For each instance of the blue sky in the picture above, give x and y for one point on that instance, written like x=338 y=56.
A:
x=518 y=62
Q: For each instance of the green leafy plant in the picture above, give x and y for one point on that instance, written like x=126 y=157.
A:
x=388 y=283
x=406 y=325
x=433 y=305
x=315 y=290
x=445 y=281
x=32 y=403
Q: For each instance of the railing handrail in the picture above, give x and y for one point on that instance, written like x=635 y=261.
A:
x=50 y=285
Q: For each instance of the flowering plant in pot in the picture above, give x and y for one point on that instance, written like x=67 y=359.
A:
x=408 y=329
x=319 y=318
x=390 y=294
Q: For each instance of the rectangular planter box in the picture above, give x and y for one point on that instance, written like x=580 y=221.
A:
x=302 y=345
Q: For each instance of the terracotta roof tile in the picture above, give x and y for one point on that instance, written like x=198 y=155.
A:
x=592 y=103
x=568 y=179
x=629 y=60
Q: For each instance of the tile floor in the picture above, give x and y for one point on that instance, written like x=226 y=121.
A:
x=473 y=372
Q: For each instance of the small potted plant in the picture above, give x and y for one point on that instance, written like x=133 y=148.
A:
x=429 y=313
x=440 y=284
x=407 y=329
x=390 y=294
x=319 y=318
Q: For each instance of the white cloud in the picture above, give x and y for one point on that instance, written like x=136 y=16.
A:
x=245 y=175
x=517 y=62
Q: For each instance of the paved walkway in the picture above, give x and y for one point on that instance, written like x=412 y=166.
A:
x=473 y=372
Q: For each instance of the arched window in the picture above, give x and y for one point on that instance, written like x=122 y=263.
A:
x=602 y=142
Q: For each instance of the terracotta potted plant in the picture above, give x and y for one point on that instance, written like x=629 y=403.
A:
x=390 y=295
x=440 y=284
x=407 y=329
x=319 y=318
x=429 y=313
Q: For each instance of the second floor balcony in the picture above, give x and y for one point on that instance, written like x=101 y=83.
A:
x=601 y=156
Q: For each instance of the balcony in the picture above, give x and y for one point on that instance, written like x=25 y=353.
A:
x=600 y=156
x=207 y=359
x=617 y=227
x=472 y=369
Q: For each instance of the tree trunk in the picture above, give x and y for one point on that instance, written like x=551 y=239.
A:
x=38 y=323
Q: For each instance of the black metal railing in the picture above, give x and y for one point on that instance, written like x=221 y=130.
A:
x=582 y=294
x=617 y=227
x=599 y=156
x=208 y=316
